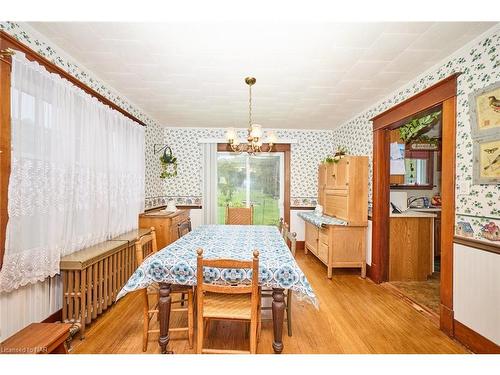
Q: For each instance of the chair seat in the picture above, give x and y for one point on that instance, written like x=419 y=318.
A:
x=227 y=306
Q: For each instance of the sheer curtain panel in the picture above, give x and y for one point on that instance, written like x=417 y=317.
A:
x=209 y=183
x=77 y=173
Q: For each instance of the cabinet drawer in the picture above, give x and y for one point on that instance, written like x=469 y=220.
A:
x=179 y=218
x=323 y=236
x=323 y=252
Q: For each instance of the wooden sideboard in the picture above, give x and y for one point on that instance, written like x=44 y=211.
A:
x=165 y=224
x=343 y=193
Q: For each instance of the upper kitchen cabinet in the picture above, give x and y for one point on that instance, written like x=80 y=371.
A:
x=346 y=190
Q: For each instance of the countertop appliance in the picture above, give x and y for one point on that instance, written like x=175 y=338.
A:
x=399 y=200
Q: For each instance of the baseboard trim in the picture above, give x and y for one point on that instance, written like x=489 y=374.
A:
x=473 y=340
x=369 y=271
x=300 y=245
x=446 y=320
x=55 y=317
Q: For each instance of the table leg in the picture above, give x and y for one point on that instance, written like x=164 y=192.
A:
x=164 y=303
x=278 y=308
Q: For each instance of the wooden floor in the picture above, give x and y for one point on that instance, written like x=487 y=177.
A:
x=355 y=316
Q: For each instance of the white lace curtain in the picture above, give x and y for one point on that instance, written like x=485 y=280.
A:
x=77 y=173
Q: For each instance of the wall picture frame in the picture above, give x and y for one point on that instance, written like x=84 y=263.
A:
x=486 y=163
x=484 y=110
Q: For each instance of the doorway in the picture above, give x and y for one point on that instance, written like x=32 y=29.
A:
x=415 y=217
x=444 y=94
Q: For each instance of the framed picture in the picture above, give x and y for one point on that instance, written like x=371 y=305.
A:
x=484 y=108
x=486 y=165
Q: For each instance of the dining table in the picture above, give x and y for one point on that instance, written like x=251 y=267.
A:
x=176 y=265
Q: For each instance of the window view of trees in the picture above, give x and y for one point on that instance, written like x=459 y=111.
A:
x=244 y=180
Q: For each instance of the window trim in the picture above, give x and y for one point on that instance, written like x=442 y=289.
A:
x=430 y=171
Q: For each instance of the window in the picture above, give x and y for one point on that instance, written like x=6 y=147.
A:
x=416 y=172
x=244 y=180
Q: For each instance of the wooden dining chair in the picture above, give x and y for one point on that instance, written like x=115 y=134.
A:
x=290 y=239
x=239 y=215
x=184 y=227
x=146 y=246
x=281 y=225
x=239 y=302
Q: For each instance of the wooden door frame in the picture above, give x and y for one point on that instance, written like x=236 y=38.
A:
x=5 y=138
x=444 y=93
x=285 y=148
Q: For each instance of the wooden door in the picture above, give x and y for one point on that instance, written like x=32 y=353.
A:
x=311 y=238
x=331 y=170
x=341 y=176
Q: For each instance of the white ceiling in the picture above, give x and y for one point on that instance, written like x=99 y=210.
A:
x=308 y=75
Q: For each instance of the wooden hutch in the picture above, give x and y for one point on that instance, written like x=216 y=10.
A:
x=343 y=193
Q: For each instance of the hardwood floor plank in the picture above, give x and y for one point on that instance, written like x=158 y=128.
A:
x=355 y=316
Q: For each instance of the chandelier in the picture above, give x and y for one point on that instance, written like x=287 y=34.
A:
x=255 y=135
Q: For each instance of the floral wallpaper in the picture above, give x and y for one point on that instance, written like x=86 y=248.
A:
x=186 y=188
x=477 y=206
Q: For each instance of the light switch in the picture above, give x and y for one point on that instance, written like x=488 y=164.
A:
x=463 y=188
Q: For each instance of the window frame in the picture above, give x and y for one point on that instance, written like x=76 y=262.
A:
x=285 y=148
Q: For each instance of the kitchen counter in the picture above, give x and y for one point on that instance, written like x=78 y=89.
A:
x=411 y=240
x=423 y=209
x=414 y=213
x=320 y=221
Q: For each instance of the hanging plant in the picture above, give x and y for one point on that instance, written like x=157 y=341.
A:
x=415 y=127
x=168 y=164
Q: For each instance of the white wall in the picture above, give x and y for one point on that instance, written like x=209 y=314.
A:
x=476 y=290
x=196 y=217
x=28 y=304
x=297 y=224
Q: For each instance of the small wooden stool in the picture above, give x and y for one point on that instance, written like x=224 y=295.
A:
x=38 y=338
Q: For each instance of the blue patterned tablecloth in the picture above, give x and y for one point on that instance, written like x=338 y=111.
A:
x=322 y=220
x=176 y=263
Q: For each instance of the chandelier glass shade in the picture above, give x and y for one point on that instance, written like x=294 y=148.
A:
x=255 y=135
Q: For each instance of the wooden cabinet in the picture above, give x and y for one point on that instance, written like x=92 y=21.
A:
x=165 y=224
x=346 y=190
x=437 y=235
x=311 y=238
x=337 y=246
x=410 y=248
x=343 y=193
x=322 y=173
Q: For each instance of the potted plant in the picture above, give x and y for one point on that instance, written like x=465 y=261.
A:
x=168 y=164
x=339 y=154
x=414 y=129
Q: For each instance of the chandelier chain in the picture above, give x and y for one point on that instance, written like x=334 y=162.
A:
x=250 y=107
